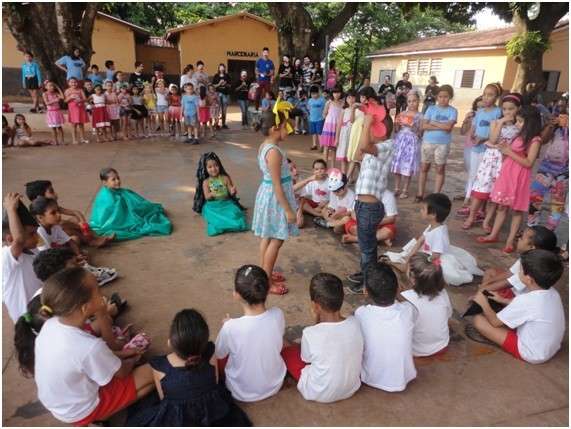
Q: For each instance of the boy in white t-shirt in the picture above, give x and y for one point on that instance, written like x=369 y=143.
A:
x=387 y=327
x=19 y=283
x=532 y=326
x=341 y=203
x=248 y=348
x=327 y=366
x=314 y=191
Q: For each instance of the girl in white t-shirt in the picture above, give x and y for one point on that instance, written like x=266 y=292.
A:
x=431 y=334
x=82 y=380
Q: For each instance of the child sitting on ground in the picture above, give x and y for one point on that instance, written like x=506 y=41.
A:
x=428 y=295
x=77 y=227
x=187 y=382
x=532 y=326
x=23 y=134
x=215 y=198
x=387 y=326
x=125 y=213
x=341 y=203
x=82 y=380
x=327 y=366
x=7 y=133
x=314 y=191
x=387 y=228
x=459 y=266
x=252 y=343
x=52 y=234
x=20 y=237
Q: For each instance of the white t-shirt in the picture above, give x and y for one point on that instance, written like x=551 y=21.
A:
x=387 y=359
x=69 y=375
x=431 y=333
x=334 y=352
x=56 y=238
x=316 y=190
x=436 y=240
x=390 y=203
x=255 y=368
x=540 y=322
x=518 y=286
x=19 y=282
x=346 y=202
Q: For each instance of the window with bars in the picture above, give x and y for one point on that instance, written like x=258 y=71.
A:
x=435 y=66
x=468 y=79
x=423 y=66
x=412 y=66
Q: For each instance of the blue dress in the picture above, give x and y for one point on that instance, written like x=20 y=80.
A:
x=270 y=220
x=191 y=398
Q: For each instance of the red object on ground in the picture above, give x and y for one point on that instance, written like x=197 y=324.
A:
x=6 y=108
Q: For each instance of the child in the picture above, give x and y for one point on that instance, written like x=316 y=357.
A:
x=327 y=366
x=275 y=211
x=99 y=117
x=314 y=190
x=507 y=282
x=187 y=382
x=458 y=266
x=532 y=326
x=82 y=380
x=204 y=112
x=7 y=133
x=125 y=213
x=428 y=295
x=438 y=123
x=139 y=112
x=315 y=105
x=466 y=130
x=175 y=110
x=190 y=113
x=77 y=116
x=480 y=130
x=252 y=343
x=387 y=326
x=19 y=234
x=125 y=109
x=113 y=110
x=162 y=105
x=502 y=131
x=78 y=227
x=408 y=128
x=119 y=81
x=94 y=75
x=357 y=119
x=268 y=101
x=214 y=103
x=216 y=198
x=332 y=114
x=341 y=204
x=512 y=189
x=52 y=235
x=109 y=70
x=301 y=119
x=150 y=100
x=23 y=133
x=344 y=130
x=53 y=96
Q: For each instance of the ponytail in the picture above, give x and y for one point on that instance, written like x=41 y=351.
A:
x=26 y=330
x=427 y=275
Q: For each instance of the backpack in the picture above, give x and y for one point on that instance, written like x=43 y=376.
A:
x=253 y=91
x=558 y=149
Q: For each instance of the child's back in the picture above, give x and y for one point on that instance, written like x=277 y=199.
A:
x=255 y=369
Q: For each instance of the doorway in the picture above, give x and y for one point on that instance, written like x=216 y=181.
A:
x=236 y=66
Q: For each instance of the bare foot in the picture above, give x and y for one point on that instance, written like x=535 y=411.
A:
x=348 y=238
x=388 y=243
x=102 y=241
x=300 y=219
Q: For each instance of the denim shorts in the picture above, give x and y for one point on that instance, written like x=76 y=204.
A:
x=162 y=109
x=316 y=127
x=191 y=121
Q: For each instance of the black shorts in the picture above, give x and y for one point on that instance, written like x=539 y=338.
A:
x=140 y=112
x=31 y=83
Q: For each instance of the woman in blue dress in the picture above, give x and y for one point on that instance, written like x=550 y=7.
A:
x=275 y=211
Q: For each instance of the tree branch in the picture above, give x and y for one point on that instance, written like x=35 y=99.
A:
x=336 y=25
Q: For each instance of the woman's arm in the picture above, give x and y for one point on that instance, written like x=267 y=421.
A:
x=60 y=66
x=532 y=153
x=274 y=160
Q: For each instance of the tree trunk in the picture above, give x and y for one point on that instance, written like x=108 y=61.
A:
x=51 y=30
x=298 y=35
x=529 y=73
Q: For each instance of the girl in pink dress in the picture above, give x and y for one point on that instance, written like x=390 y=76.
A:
x=77 y=115
x=333 y=114
x=52 y=97
x=512 y=188
x=112 y=105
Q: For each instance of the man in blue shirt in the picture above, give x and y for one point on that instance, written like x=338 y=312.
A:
x=72 y=65
x=265 y=75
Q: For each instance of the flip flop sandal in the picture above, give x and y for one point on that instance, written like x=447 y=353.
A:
x=484 y=240
x=403 y=195
x=397 y=192
x=278 y=277
x=508 y=249
x=119 y=302
x=278 y=289
x=319 y=221
x=473 y=334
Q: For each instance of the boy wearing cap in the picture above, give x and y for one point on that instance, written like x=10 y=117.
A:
x=341 y=203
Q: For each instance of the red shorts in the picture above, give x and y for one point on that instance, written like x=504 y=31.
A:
x=510 y=344
x=113 y=397
x=292 y=358
x=353 y=223
x=506 y=293
x=483 y=196
x=311 y=203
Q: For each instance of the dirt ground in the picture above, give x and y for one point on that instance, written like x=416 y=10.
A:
x=471 y=385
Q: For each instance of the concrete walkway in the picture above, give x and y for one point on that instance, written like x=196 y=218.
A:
x=471 y=385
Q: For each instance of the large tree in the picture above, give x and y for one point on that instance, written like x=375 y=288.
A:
x=49 y=30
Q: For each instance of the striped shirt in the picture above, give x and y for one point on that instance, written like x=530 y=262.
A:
x=373 y=177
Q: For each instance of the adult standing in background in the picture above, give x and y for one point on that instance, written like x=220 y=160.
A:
x=222 y=83
x=285 y=74
x=241 y=90
x=403 y=87
x=265 y=70
x=73 y=65
x=307 y=71
x=187 y=74
x=430 y=94
x=317 y=76
x=386 y=86
x=32 y=79
x=297 y=74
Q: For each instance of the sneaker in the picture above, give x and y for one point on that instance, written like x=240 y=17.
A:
x=195 y=142
x=304 y=132
x=355 y=289
x=297 y=132
x=188 y=140
x=356 y=278
x=319 y=221
x=105 y=277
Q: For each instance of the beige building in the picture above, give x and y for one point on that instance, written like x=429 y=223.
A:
x=468 y=61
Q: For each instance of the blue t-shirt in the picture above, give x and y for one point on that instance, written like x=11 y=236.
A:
x=264 y=67
x=436 y=113
x=481 y=122
x=95 y=78
x=316 y=106
x=190 y=105
x=109 y=74
x=74 y=67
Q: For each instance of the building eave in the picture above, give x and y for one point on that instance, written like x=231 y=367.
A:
x=436 y=51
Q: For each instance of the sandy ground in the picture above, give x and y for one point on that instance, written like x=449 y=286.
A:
x=471 y=385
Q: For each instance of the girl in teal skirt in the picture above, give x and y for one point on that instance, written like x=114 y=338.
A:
x=215 y=198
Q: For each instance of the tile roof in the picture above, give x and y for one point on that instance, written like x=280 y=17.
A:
x=242 y=14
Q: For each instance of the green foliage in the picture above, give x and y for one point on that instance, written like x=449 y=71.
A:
x=527 y=44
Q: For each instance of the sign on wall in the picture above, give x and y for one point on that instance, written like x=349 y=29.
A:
x=249 y=54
